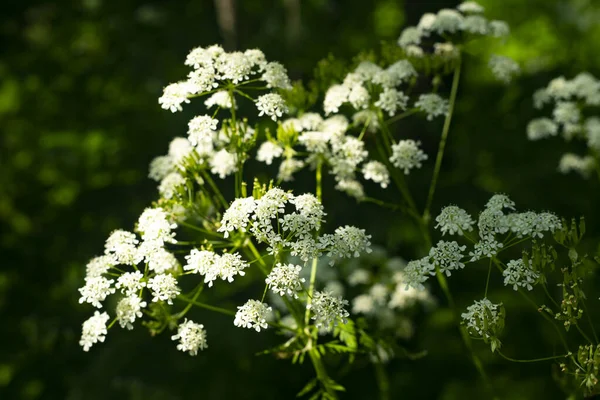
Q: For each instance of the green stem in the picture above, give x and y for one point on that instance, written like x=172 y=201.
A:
x=206 y=306
x=401 y=116
x=589 y=318
x=311 y=289
x=383 y=381
x=487 y=282
x=530 y=361
x=215 y=189
x=322 y=375
x=440 y=154
x=198 y=290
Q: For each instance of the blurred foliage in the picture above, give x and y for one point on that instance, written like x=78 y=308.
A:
x=79 y=120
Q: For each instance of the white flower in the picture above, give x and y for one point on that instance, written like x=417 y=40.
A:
x=128 y=309
x=486 y=247
x=454 y=220
x=201 y=80
x=572 y=162
x=532 y=224
x=351 y=187
x=336 y=125
x=403 y=297
x=390 y=100
x=346 y=242
x=407 y=155
x=448 y=20
x=268 y=151
x=482 y=318
x=433 y=105
x=517 y=274
x=227 y=266
x=164 y=288
x=592 y=131
x=237 y=216
x=191 y=336
x=174 y=95
x=235 y=66
x=123 y=245
x=257 y=58
x=100 y=265
x=499 y=28
x=94 y=330
x=220 y=99
x=130 y=283
x=410 y=36
x=500 y=201
x=179 y=149
x=566 y=112
x=414 y=51
x=200 y=57
x=447 y=256
x=475 y=24
x=367 y=117
x=95 y=290
x=336 y=96
x=154 y=225
x=359 y=96
x=288 y=168
x=503 y=68
x=314 y=141
x=253 y=314
x=271 y=105
x=328 y=310
x=201 y=130
x=276 y=76
x=285 y=279
x=470 y=7
x=359 y=276
x=223 y=163
x=417 y=272
x=426 y=23
x=161 y=261
x=395 y=74
x=363 y=304
x=446 y=51
x=307 y=218
x=170 y=185
x=200 y=261
x=310 y=121
x=366 y=70
x=377 y=172
x=541 y=128
x=160 y=167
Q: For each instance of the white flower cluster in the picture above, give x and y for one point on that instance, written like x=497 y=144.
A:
x=328 y=310
x=285 y=279
x=518 y=275
x=212 y=265
x=569 y=98
x=407 y=155
x=123 y=248
x=268 y=221
x=253 y=315
x=212 y=68
x=466 y=19
x=191 y=336
x=454 y=220
x=503 y=68
x=483 y=318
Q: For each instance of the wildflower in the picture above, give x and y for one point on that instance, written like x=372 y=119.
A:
x=253 y=314
x=366 y=117
x=447 y=20
x=268 y=151
x=359 y=276
x=336 y=125
x=164 y=288
x=130 y=283
x=426 y=23
x=95 y=290
x=179 y=149
x=100 y=265
x=220 y=99
x=200 y=261
x=447 y=256
x=572 y=162
x=453 y=219
x=227 y=266
x=123 y=246
x=486 y=247
x=366 y=70
x=170 y=185
x=237 y=216
x=191 y=336
x=162 y=261
x=276 y=76
x=154 y=225
x=363 y=304
x=433 y=105
x=391 y=100
x=310 y=121
x=499 y=202
x=470 y=7
x=233 y=66
x=351 y=187
x=417 y=272
x=160 y=167
x=201 y=129
x=410 y=36
x=566 y=112
x=328 y=310
x=94 y=330
x=518 y=274
x=483 y=318
x=314 y=141
x=407 y=155
x=499 y=29
x=308 y=217
x=377 y=172
x=288 y=168
x=285 y=279
x=271 y=105
x=223 y=163
x=336 y=96
x=541 y=128
x=503 y=68
x=395 y=74
x=475 y=24
x=128 y=309
x=346 y=242
x=359 y=96
x=174 y=96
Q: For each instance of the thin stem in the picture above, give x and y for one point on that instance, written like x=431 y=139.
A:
x=532 y=360
x=585 y=336
x=440 y=154
x=197 y=228
x=321 y=372
x=215 y=189
x=311 y=289
x=589 y=318
x=401 y=116
x=383 y=381
x=198 y=290
x=206 y=306
x=487 y=282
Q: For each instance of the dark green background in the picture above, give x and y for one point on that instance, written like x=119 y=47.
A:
x=80 y=121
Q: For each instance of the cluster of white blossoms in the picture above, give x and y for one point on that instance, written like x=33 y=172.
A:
x=270 y=221
x=518 y=274
x=125 y=249
x=212 y=265
x=484 y=318
x=328 y=310
x=454 y=26
x=285 y=279
x=570 y=99
x=191 y=336
x=407 y=155
x=253 y=315
x=498 y=218
x=213 y=68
